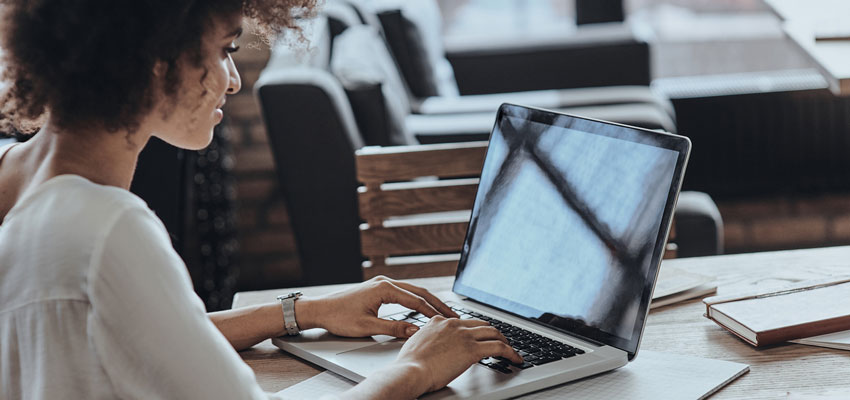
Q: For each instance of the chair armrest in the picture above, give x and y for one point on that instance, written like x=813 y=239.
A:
x=699 y=226
x=477 y=126
x=550 y=99
x=606 y=55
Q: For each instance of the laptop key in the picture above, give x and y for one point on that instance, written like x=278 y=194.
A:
x=496 y=364
x=545 y=360
x=524 y=365
x=501 y=368
x=563 y=352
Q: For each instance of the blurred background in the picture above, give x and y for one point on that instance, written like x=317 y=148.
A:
x=760 y=97
x=770 y=140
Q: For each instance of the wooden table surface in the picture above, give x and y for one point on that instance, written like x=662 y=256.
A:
x=681 y=328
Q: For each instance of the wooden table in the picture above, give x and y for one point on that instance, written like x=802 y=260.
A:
x=681 y=328
x=804 y=20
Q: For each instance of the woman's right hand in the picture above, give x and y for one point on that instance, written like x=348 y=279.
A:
x=446 y=347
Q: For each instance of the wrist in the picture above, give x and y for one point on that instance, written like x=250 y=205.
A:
x=414 y=379
x=306 y=314
x=400 y=380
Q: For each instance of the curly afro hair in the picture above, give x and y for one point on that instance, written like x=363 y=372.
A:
x=90 y=62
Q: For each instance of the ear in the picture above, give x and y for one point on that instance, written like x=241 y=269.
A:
x=160 y=68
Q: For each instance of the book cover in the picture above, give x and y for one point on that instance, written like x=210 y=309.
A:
x=803 y=310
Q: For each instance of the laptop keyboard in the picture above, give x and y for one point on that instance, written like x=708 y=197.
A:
x=534 y=348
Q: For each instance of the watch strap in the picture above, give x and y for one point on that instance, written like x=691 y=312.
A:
x=287 y=303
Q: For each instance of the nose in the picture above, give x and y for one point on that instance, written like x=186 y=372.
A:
x=235 y=81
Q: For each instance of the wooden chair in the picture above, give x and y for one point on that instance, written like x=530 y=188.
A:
x=416 y=202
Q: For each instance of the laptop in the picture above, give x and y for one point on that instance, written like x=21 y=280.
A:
x=563 y=248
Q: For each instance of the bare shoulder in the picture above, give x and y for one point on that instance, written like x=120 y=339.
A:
x=11 y=180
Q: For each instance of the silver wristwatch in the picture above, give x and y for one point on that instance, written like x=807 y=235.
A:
x=287 y=303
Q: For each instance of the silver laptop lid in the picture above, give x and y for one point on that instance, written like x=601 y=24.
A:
x=569 y=223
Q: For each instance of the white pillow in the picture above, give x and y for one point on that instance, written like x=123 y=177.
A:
x=360 y=59
x=425 y=16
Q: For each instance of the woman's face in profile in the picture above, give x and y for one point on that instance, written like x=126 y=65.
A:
x=189 y=121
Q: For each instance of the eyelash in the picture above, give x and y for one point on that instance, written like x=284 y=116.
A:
x=231 y=49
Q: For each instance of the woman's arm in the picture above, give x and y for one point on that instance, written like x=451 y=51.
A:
x=430 y=359
x=246 y=326
x=352 y=313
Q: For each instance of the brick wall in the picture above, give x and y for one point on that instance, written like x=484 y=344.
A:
x=268 y=257
x=786 y=222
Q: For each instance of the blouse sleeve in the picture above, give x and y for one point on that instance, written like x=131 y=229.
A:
x=150 y=331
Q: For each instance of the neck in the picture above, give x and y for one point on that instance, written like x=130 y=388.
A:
x=106 y=158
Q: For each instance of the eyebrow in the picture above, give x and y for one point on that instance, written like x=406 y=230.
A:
x=236 y=32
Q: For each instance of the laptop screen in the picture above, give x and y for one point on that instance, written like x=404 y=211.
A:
x=569 y=222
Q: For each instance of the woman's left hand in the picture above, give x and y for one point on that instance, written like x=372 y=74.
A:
x=354 y=312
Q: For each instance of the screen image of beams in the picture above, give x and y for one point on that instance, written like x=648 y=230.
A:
x=568 y=224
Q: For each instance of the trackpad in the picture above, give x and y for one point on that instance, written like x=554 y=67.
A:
x=366 y=360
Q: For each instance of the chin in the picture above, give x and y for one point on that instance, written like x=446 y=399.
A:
x=195 y=141
x=200 y=144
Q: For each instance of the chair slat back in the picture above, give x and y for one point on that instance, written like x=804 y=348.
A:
x=416 y=202
x=417 y=237
x=393 y=199
x=400 y=163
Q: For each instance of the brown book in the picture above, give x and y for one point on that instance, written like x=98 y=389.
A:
x=799 y=311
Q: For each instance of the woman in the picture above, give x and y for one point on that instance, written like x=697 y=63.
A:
x=94 y=301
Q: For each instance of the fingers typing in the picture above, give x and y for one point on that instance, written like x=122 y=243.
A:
x=394 y=294
x=425 y=294
x=495 y=348
x=487 y=333
x=398 y=329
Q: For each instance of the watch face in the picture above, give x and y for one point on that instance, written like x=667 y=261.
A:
x=289 y=296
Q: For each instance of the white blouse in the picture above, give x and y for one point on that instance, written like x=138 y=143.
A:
x=95 y=303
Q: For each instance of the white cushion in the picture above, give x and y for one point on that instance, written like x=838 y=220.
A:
x=360 y=59
x=551 y=99
x=425 y=17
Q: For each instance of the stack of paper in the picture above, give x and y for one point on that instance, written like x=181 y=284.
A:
x=837 y=340
x=675 y=285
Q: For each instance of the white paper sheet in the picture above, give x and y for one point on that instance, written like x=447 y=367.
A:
x=325 y=384
x=653 y=375
x=837 y=340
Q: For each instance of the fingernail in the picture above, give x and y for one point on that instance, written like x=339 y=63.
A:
x=411 y=330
